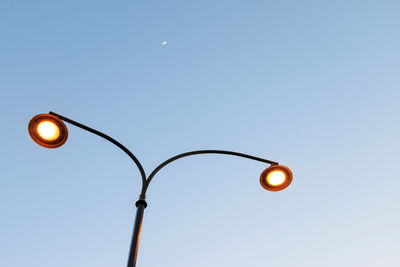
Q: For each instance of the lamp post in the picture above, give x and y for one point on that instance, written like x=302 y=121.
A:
x=49 y=130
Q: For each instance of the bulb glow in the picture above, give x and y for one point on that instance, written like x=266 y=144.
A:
x=48 y=130
x=276 y=178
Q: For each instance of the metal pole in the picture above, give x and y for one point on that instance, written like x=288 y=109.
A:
x=141 y=205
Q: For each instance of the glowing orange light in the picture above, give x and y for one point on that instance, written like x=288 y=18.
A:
x=276 y=178
x=48 y=130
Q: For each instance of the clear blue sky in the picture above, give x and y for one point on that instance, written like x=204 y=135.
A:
x=313 y=85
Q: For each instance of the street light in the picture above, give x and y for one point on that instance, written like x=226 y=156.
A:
x=276 y=178
x=49 y=130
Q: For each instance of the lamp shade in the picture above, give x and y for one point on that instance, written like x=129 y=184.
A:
x=276 y=178
x=48 y=131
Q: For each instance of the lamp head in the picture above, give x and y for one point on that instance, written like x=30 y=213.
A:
x=276 y=178
x=48 y=130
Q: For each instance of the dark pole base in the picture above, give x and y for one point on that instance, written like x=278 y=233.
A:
x=141 y=205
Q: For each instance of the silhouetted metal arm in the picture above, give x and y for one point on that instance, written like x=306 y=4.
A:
x=141 y=203
x=108 y=138
x=197 y=152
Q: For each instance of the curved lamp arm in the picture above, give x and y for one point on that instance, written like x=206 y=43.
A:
x=108 y=138
x=146 y=181
x=197 y=152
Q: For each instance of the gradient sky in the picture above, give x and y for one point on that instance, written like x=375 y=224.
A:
x=313 y=85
